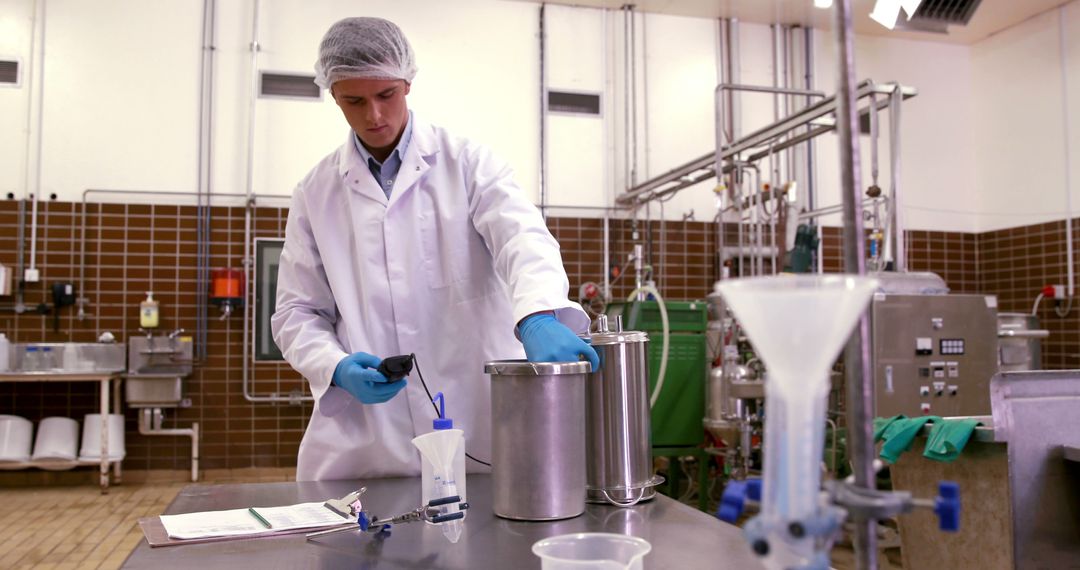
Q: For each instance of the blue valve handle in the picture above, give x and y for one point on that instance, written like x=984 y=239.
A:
x=733 y=501
x=947 y=506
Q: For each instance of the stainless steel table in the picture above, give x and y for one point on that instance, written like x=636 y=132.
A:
x=681 y=537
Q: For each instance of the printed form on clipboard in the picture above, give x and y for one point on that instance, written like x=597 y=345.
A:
x=254 y=521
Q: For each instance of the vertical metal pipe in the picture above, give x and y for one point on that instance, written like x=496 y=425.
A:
x=626 y=99
x=721 y=76
x=860 y=400
x=608 y=158
x=736 y=73
x=1063 y=54
x=633 y=102
x=38 y=157
x=811 y=148
x=896 y=212
x=543 y=117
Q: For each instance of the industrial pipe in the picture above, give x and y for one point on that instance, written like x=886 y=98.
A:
x=148 y=426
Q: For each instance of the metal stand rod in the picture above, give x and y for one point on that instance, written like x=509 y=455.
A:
x=860 y=399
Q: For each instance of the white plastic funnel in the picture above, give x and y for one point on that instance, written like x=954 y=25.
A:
x=440 y=448
x=798 y=325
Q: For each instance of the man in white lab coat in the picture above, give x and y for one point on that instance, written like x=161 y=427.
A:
x=408 y=240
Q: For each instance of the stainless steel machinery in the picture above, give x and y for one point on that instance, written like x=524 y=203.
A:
x=933 y=354
x=1019 y=342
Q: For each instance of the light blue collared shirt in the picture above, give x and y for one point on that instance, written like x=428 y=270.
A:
x=386 y=172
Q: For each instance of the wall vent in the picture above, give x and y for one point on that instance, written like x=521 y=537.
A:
x=953 y=12
x=9 y=72
x=575 y=103
x=289 y=85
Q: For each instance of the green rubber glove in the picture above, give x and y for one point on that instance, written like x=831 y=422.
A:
x=899 y=435
x=882 y=424
x=948 y=438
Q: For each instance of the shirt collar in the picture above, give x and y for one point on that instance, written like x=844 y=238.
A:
x=400 y=149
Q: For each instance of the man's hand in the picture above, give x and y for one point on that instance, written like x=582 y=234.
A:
x=357 y=375
x=547 y=340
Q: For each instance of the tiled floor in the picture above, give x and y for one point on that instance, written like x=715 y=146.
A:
x=78 y=527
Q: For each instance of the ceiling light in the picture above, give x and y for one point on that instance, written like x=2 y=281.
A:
x=910 y=6
x=885 y=12
x=824 y=4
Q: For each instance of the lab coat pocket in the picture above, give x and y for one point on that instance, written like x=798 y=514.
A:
x=443 y=257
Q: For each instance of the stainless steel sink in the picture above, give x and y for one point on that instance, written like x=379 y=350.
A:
x=156 y=369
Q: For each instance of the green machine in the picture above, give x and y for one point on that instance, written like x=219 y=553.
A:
x=676 y=417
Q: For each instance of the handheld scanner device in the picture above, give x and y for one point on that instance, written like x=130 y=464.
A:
x=396 y=367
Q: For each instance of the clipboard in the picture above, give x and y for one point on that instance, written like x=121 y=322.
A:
x=156 y=535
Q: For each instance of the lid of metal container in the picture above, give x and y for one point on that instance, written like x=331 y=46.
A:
x=603 y=336
x=526 y=368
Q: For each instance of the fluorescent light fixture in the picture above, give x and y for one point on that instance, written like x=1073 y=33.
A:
x=824 y=4
x=885 y=12
x=910 y=6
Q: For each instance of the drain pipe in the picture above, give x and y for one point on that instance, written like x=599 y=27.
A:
x=249 y=205
x=1068 y=155
x=31 y=273
x=150 y=424
x=543 y=117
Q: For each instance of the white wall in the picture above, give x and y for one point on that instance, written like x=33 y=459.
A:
x=15 y=43
x=938 y=164
x=1019 y=121
x=121 y=97
x=121 y=89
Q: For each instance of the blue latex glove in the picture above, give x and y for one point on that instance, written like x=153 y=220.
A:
x=548 y=340
x=357 y=375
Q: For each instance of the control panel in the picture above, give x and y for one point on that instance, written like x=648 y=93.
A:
x=933 y=354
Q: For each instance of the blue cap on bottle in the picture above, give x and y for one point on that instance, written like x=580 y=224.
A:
x=442 y=422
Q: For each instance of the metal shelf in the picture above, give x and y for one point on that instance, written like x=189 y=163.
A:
x=54 y=464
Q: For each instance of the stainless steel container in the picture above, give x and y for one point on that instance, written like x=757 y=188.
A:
x=618 y=445
x=1019 y=342
x=537 y=452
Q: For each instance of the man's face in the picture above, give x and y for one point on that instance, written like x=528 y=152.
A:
x=375 y=109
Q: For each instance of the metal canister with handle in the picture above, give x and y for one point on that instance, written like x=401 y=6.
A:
x=537 y=452
x=618 y=439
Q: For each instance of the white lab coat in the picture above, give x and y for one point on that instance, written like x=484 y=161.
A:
x=445 y=269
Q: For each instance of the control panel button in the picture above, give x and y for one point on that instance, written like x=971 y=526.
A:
x=925 y=407
x=924 y=346
x=951 y=346
x=939 y=388
x=924 y=391
x=953 y=389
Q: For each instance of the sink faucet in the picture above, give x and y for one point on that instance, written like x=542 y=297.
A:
x=176 y=333
x=148 y=332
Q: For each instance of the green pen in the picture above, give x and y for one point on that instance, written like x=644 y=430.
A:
x=255 y=514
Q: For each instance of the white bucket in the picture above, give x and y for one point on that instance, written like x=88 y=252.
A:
x=57 y=439
x=15 y=438
x=91 y=438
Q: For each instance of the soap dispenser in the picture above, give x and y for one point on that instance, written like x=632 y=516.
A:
x=148 y=312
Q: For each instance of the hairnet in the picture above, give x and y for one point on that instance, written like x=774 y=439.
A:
x=368 y=48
